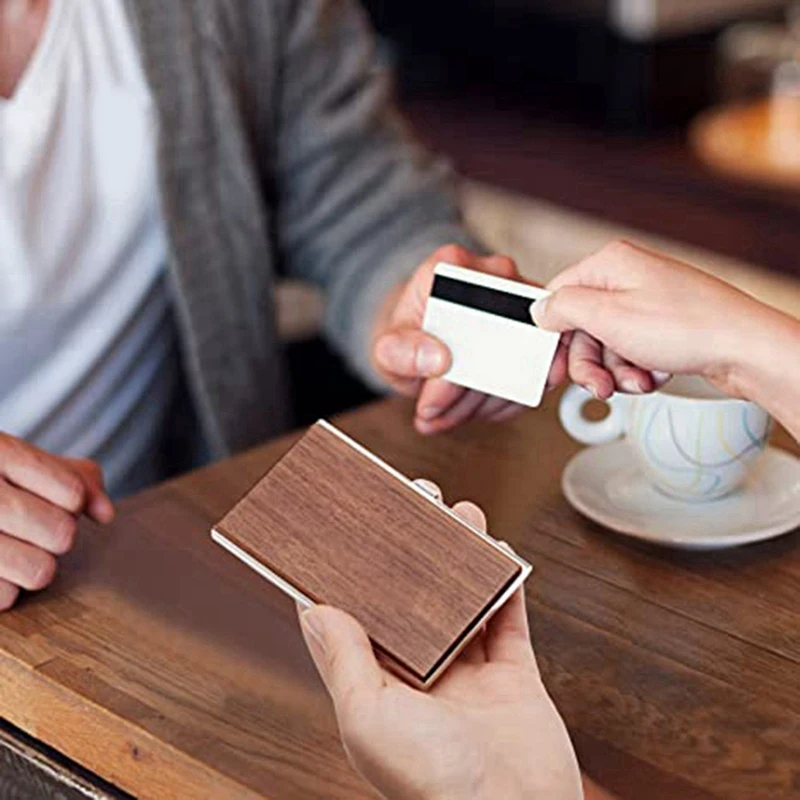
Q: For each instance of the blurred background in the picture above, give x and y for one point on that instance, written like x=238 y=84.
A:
x=672 y=122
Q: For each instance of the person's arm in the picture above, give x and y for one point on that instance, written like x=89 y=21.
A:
x=365 y=213
x=486 y=730
x=629 y=306
x=360 y=204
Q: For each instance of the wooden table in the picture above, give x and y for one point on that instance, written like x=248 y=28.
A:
x=172 y=671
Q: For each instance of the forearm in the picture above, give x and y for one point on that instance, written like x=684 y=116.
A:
x=767 y=370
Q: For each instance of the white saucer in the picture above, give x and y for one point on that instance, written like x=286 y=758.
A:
x=605 y=484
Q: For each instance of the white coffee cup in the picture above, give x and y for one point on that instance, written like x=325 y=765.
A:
x=692 y=441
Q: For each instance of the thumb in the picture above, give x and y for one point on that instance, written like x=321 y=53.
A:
x=572 y=308
x=341 y=651
x=411 y=353
x=98 y=504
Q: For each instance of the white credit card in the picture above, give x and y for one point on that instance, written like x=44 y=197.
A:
x=486 y=323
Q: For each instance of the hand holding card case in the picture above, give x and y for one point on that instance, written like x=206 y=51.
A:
x=495 y=345
x=331 y=523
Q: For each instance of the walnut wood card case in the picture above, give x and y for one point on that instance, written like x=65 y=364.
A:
x=331 y=523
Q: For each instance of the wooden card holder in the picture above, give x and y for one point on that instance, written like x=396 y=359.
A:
x=331 y=523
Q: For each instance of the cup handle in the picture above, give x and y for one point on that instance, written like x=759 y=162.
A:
x=570 y=412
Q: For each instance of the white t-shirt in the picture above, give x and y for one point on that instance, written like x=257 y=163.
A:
x=87 y=350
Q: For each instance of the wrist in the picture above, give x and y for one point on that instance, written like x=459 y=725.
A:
x=766 y=366
x=759 y=347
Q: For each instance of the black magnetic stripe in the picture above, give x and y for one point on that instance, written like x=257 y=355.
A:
x=493 y=301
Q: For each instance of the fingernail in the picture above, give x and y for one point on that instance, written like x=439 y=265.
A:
x=430 y=412
x=593 y=390
x=424 y=427
x=537 y=309
x=599 y=394
x=311 y=625
x=102 y=509
x=431 y=360
x=631 y=386
x=661 y=377
x=429 y=487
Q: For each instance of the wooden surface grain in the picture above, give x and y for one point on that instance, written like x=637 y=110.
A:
x=30 y=771
x=346 y=532
x=174 y=671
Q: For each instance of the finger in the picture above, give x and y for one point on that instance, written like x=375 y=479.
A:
x=661 y=378
x=410 y=308
x=42 y=474
x=98 y=504
x=471 y=514
x=437 y=397
x=514 y=410
x=410 y=353
x=342 y=653
x=406 y=387
x=429 y=487
x=508 y=637
x=560 y=369
x=491 y=406
x=460 y=412
x=628 y=378
x=455 y=254
x=586 y=368
x=573 y=308
x=8 y=595
x=29 y=518
x=25 y=565
x=502 y=266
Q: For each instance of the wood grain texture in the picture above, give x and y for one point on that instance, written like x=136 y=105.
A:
x=28 y=771
x=347 y=533
x=175 y=672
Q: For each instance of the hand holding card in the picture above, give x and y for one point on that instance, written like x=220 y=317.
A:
x=332 y=524
x=412 y=361
x=485 y=321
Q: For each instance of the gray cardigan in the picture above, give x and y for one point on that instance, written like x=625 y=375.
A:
x=279 y=153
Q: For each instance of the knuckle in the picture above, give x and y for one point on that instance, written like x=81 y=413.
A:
x=621 y=248
x=96 y=471
x=12 y=503
x=16 y=451
x=506 y=266
x=452 y=252
x=69 y=481
x=75 y=493
x=89 y=468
